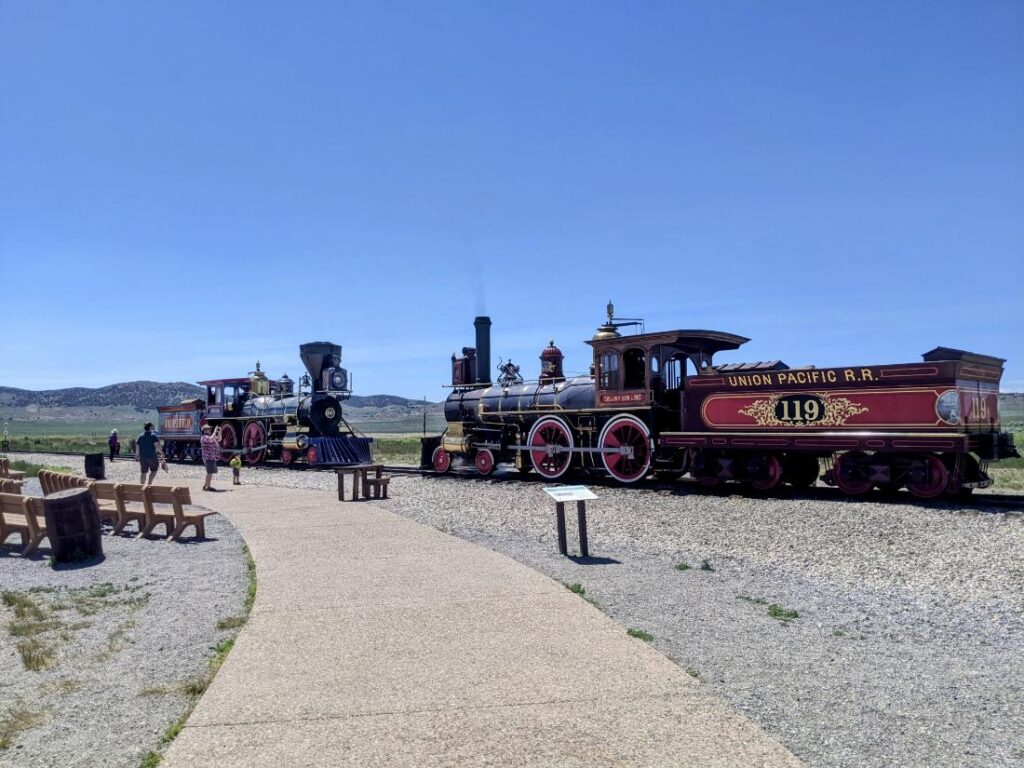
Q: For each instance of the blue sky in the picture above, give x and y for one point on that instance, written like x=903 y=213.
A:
x=187 y=187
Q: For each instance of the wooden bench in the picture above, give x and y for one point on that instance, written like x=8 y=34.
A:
x=178 y=498
x=25 y=516
x=7 y=485
x=7 y=472
x=133 y=508
x=51 y=481
x=106 y=495
x=359 y=474
x=378 y=486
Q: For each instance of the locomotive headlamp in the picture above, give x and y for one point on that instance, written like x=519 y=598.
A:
x=338 y=380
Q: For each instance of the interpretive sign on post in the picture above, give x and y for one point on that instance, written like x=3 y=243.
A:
x=581 y=495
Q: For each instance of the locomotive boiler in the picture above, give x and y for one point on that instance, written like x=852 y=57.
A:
x=659 y=403
x=264 y=419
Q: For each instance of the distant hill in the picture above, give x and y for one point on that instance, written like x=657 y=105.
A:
x=142 y=395
x=147 y=395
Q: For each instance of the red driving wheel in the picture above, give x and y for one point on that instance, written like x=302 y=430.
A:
x=630 y=440
x=228 y=441
x=551 y=444
x=254 y=440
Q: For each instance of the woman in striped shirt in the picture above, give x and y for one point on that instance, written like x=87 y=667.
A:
x=210 y=444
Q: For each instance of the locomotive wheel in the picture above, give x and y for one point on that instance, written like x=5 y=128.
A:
x=800 y=469
x=254 y=436
x=441 y=459
x=550 y=431
x=626 y=432
x=228 y=440
x=705 y=469
x=312 y=457
x=938 y=479
x=287 y=457
x=484 y=462
x=855 y=483
x=772 y=475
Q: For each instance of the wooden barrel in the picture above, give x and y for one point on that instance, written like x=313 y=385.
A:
x=73 y=525
x=94 y=468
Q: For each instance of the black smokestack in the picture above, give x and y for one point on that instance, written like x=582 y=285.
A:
x=483 y=349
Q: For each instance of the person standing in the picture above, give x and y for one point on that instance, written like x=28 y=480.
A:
x=210 y=445
x=148 y=453
x=236 y=469
x=115 y=444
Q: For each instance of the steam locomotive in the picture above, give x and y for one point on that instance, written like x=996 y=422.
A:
x=264 y=419
x=658 y=403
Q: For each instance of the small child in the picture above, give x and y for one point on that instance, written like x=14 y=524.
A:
x=236 y=468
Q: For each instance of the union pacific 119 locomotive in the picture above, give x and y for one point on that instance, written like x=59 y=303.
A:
x=657 y=402
x=266 y=419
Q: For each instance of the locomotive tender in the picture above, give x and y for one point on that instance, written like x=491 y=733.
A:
x=265 y=419
x=657 y=402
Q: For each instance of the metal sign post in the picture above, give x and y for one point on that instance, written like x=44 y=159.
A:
x=581 y=495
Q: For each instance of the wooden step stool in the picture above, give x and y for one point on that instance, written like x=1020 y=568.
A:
x=378 y=486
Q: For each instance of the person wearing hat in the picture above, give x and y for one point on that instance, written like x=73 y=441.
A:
x=115 y=444
x=210 y=444
x=148 y=453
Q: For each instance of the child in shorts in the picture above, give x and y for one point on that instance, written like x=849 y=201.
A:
x=236 y=469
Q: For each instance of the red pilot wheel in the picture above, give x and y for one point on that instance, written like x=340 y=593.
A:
x=441 y=459
x=938 y=479
x=551 y=444
x=228 y=441
x=312 y=457
x=484 y=462
x=850 y=475
x=625 y=444
x=254 y=441
x=287 y=457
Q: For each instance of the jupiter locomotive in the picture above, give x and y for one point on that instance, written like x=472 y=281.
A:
x=660 y=403
x=264 y=419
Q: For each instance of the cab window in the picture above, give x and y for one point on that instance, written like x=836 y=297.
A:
x=609 y=370
x=634 y=365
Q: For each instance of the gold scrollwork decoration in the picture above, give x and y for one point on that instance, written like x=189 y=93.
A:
x=837 y=411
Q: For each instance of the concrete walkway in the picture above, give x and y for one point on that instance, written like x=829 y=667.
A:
x=376 y=641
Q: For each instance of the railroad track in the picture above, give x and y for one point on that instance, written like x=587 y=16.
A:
x=1012 y=502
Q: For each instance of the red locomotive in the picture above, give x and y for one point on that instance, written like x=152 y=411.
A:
x=264 y=419
x=658 y=403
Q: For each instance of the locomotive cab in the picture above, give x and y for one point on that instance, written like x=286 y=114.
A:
x=649 y=370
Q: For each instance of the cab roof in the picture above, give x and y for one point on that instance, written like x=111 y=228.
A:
x=686 y=340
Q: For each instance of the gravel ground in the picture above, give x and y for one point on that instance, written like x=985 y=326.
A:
x=907 y=650
x=127 y=633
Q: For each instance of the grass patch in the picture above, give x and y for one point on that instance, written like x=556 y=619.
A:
x=576 y=589
x=17 y=719
x=705 y=565
x=25 y=608
x=250 y=566
x=151 y=760
x=31 y=627
x=397 y=450
x=754 y=600
x=785 y=615
x=684 y=566
x=693 y=673
x=639 y=634
x=36 y=655
x=32 y=470
x=64 y=685
x=231 y=622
